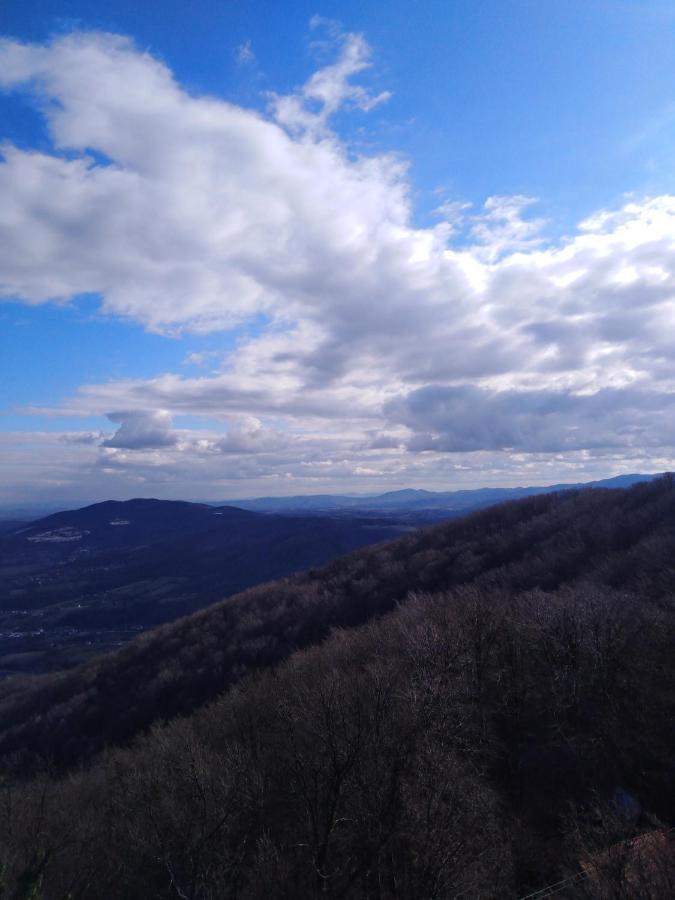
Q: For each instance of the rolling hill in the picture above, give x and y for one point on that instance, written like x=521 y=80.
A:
x=86 y=580
x=619 y=539
x=479 y=709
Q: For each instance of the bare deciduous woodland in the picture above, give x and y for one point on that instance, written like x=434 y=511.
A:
x=479 y=709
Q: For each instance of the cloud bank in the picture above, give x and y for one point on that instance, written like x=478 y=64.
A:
x=386 y=348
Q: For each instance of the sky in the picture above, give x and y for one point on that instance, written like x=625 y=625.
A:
x=253 y=248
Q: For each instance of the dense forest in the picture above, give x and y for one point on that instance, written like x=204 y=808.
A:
x=479 y=709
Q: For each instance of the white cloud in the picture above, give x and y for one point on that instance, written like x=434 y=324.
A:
x=501 y=228
x=466 y=418
x=141 y=430
x=189 y=213
x=43 y=468
x=309 y=109
x=82 y=437
x=204 y=204
x=201 y=358
x=244 y=54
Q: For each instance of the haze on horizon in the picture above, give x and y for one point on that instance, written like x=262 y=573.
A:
x=253 y=252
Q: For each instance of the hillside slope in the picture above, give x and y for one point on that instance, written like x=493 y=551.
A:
x=507 y=725
x=621 y=539
x=82 y=581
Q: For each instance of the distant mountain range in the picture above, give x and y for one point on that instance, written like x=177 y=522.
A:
x=411 y=499
x=82 y=581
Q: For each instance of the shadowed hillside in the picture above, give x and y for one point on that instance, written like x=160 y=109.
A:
x=502 y=716
x=621 y=539
x=79 y=582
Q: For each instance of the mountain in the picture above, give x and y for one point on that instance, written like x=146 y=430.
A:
x=82 y=581
x=79 y=582
x=410 y=499
x=480 y=708
x=11 y=524
x=616 y=538
x=116 y=525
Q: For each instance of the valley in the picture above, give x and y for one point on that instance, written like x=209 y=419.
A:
x=82 y=582
x=85 y=581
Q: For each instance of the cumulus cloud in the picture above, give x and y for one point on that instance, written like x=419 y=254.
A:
x=252 y=437
x=188 y=213
x=466 y=418
x=41 y=467
x=141 y=430
x=207 y=213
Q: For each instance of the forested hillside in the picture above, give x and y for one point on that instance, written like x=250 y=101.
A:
x=481 y=708
x=80 y=582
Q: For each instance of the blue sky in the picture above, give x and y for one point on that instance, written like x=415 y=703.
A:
x=333 y=274
x=571 y=102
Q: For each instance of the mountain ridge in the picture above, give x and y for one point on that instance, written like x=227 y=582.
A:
x=537 y=542
x=479 y=708
x=420 y=498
